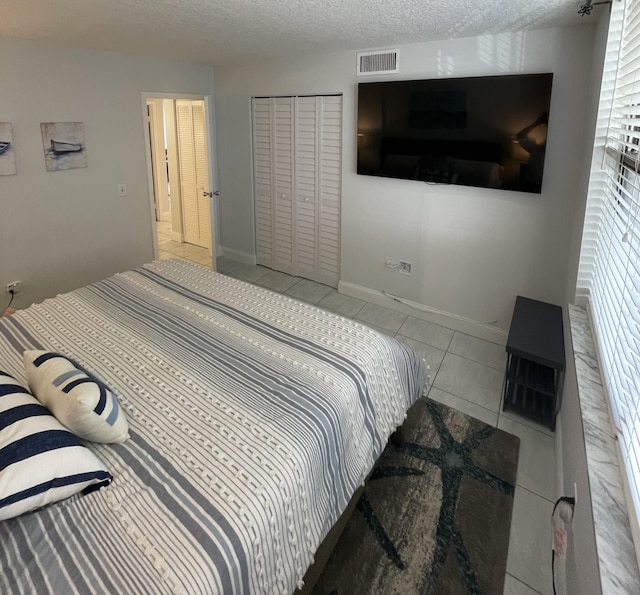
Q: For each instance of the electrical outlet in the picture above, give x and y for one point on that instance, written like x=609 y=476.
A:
x=404 y=267
x=14 y=287
x=122 y=190
x=390 y=263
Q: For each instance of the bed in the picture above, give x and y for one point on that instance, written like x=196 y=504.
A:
x=253 y=419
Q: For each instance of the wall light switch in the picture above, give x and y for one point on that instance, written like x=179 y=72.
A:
x=122 y=190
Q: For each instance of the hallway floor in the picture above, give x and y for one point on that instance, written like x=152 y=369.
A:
x=168 y=248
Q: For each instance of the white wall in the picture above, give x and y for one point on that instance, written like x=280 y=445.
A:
x=64 y=229
x=473 y=250
x=583 y=577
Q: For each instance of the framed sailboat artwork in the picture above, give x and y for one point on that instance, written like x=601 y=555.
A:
x=7 y=154
x=64 y=145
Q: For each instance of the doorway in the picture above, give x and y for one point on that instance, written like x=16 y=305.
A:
x=181 y=174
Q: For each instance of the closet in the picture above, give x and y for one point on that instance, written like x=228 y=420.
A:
x=297 y=159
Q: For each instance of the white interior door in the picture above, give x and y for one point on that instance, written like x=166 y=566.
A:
x=273 y=122
x=159 y=159
x=306 y=189
x=194 y=172
x=318 y=142
x=329 y=188
x=263 y=179
x=297 y=177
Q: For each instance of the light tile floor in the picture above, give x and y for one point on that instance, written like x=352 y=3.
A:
x=466 y=374
x=168 y=248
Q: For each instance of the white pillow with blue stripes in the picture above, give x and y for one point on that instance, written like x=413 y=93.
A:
x=40 y=460
x=80 y=401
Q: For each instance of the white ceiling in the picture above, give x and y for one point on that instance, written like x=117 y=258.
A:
x=222 y=31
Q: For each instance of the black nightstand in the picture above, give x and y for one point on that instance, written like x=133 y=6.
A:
x=535 y=362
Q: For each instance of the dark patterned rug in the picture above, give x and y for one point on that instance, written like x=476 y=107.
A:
x=435 y=515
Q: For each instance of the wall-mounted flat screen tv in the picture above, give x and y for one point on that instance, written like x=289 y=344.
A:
x=488 y=131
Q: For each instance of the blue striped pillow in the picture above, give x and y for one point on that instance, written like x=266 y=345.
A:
x=40 y=460
x=79 y=400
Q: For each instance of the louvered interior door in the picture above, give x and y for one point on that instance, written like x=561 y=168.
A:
x=201 y=162
x=306 y=178
x=318 y=177
x=297 y=177
x=329 y=189
x=273 y=181
x=263 y=179
x=194 y=172
x=283 y=214
x=186 y=158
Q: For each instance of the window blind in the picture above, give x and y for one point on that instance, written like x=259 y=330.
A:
x=609 y=272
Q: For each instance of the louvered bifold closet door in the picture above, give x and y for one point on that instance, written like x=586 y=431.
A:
x=318 y=141
x=297 y=177
x=283 y=226
x=329 y=189
x=306 y=178
x=263 y=179
x=273 y=180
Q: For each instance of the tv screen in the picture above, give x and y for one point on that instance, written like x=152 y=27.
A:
x=488 y=131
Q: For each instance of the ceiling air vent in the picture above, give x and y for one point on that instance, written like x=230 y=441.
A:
x=378 y=62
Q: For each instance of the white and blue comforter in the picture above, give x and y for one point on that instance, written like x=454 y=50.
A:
x=253 y=420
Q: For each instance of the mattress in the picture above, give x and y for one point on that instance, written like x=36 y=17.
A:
x=253 y=419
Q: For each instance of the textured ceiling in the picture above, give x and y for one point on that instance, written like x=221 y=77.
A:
x=223 y=31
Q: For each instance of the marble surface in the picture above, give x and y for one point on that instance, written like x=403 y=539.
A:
x=618 y=565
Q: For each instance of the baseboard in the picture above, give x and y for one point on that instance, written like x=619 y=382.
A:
x=237 y=255
x=452 y=321
x=177 y=236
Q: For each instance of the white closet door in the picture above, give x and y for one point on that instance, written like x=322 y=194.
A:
x=329 y=189
x=273 y=181
x=263 y=179
x=306 y=177
x=283 y=215
x=297 y=177
x=318 y=142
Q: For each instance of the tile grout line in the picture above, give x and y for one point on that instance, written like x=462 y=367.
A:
x=515 y=421
x=450 y=341
x=427 y=344
x=470 y=402
x=551 y=502
x=359 y=309
x=523 y=582
x=475 y=360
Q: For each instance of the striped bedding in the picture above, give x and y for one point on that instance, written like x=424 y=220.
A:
x=253 y=419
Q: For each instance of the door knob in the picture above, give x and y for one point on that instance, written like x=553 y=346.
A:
x=211 y=194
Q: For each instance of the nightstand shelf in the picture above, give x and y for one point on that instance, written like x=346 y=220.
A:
x=536 y=361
